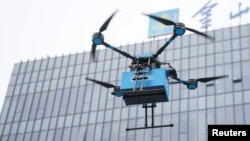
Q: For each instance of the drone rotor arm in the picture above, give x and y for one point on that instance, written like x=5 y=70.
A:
x=165 y=45
x=178 y=80
x=119 y=51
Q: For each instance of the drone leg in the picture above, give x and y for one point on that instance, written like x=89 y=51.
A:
x=146 y=114
x=152 y=114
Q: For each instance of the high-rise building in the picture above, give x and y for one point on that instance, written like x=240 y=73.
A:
x=50 y=100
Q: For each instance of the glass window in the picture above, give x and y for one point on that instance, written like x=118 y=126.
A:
x=41 y=75
x=49 y=104
x=79 y=102
x=30 y=66
x=210 y=116
x=68 y=121
x=227 y=45
x=37 y=125
x=177 y=53
x=220 y=101
x=30 y=126
x=244 y=54
x=16 y=68
x=218 y=59
x=12 y=109
x=76 y=121
x=57 y=103
x=84 y=118
x=209 y=48
x=35 y=103
x=70 y=70
x=22 y=127
x=27 y=77
x=60 y=123
x=210 y=60
x=210 y=101
x=72 y=59
x=244 y=30
x=244 y=42
x=235 y=31
x=77 y=69
x=239 y=119
x=229 y=99
x=86 y=57
x=45 y=124
x=23 y=67
x=48 y=74
x=51 y=62
x=53 y=122
x=79 y=59
x=58 y=135
x=7 y=129
x=37 y=65
x=20 y=78
x=108 y=115
x=247 y=116
x=56 y=73
x=44 y=64
x=68 y=81
x=46 y=85
x=65 y=60
x=34 y=76
x=228 y=115
x=58 y=62
x=202 y=49
x=72 y=100
x=60 y=83
x=50 y=135
x=227 y=33
x=75 y=81
x=66 y=134
x=31 y=88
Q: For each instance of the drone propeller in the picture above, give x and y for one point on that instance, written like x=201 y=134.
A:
x=179 y=28
x=105 y=84
x=206 y=79
x=193 y=83
x=116 y=91
x=98 y=38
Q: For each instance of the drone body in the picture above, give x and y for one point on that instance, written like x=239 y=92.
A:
x=147 y=82
x=144 y=83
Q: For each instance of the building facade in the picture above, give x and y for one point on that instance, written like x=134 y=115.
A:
x=50 y=100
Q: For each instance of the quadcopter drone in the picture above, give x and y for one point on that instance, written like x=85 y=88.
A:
x=147 y=82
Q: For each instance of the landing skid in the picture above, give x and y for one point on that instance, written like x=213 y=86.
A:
x=145 y=106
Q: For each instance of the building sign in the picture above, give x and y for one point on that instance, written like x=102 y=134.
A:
x=203 y=15
x=216 y=13
x=157 y=28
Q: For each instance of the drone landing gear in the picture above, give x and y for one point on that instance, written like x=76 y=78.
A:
x=152 y=106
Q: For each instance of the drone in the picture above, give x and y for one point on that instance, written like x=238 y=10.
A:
x=147 y=82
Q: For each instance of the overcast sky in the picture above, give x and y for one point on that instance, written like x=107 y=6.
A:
x=35 y=29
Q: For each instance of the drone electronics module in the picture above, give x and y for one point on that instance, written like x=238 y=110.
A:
x=147 y=82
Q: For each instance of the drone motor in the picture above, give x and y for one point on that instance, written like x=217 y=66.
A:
x=97 y=38
x=179 y=29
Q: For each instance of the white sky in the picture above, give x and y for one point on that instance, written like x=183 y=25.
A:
x=35 y=29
